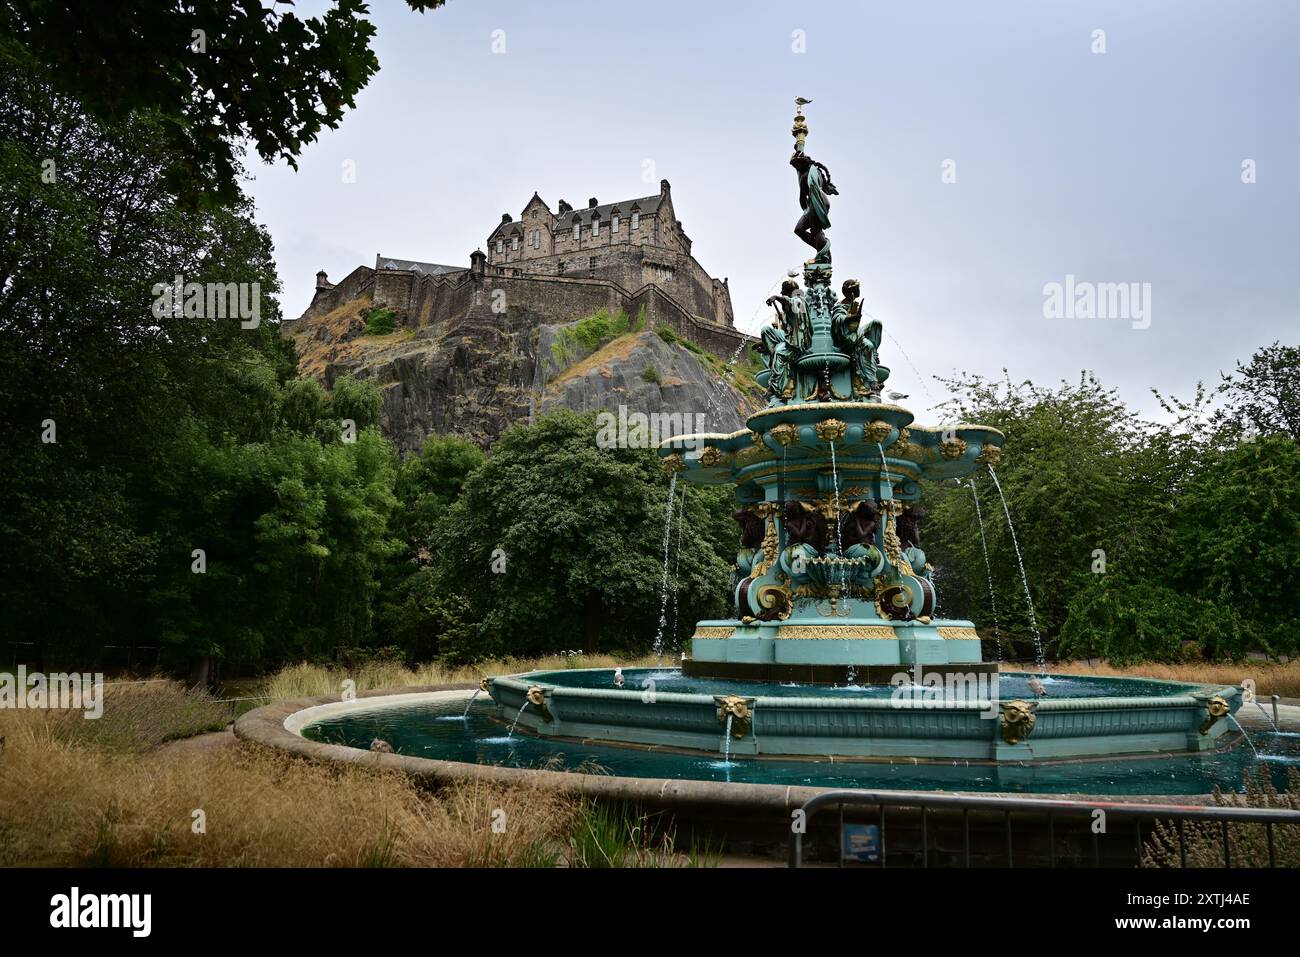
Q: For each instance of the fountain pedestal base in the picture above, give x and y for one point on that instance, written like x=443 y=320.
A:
x=866 y=650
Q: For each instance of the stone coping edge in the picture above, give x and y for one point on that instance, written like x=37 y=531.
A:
x=269 y=726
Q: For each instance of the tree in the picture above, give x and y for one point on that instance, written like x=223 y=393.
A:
x=211 y=71
x=1066 y=469
x=557 y=543
x=414 y=613
x=135 y=435
x=1264 y=394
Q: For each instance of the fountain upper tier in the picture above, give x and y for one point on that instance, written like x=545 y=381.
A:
x=832 y=578
x=872 y=440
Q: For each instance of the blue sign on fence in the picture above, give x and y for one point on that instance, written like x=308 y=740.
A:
x=861 y=842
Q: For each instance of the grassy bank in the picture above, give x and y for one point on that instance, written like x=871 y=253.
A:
x=106 y=792
x=307 y=680
x=1279 y=678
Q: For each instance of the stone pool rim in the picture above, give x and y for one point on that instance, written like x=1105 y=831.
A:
x=270 y=725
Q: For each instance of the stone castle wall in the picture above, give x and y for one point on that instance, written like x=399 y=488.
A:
x=632 y=267
x=436 y=300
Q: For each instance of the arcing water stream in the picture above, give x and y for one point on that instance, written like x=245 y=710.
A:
x=1029 y=601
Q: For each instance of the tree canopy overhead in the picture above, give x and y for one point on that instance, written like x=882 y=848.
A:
x=213 y=71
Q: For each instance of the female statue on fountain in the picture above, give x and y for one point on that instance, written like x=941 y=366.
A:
x=815 y=187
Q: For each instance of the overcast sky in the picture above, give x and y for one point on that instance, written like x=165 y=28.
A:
x=1122 y=166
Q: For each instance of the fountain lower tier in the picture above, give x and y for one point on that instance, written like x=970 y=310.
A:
x=935 y=720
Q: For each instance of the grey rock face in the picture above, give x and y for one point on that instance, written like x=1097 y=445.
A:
x=652 y=377
x=477 y=375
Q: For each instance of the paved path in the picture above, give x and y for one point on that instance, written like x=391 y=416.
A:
x=200 y=743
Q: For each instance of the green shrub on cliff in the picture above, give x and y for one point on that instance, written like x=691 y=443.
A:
x=585 y=336
x=380 y=321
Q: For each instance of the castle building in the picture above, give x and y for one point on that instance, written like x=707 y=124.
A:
x=558 y=266
x=632 y=243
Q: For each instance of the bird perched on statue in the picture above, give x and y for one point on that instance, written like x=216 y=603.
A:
x=896 y=396
x=1037 y=687
x=382 y=746
x=618 y=677
x=800 y=101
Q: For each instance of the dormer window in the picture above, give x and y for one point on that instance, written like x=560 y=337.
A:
x=501 y=246
x=514 y=243
x=613 y=224
x=577 y=231
x=595 y=227
x=636 y=219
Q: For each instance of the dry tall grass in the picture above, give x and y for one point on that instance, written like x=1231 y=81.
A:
x=1248 y=844
x=1280 y=678
x=308 y=680
x=72 y=795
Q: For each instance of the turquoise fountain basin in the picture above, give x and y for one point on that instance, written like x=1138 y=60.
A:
x=444 y=730
x=993 y=718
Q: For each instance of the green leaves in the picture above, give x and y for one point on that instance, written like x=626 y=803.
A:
x=213 y=72
x=1141 y=540
x=581 y=531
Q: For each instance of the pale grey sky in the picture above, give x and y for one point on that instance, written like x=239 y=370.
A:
x=1122 y=166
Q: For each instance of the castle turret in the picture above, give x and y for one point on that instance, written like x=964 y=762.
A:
x=477 y=263
x=323 y=281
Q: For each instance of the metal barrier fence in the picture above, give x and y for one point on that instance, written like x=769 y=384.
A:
x=1050 y=808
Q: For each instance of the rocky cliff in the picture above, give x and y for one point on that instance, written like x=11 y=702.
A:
x=476 y=374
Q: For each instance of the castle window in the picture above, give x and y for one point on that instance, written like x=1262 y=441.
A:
x=592 y=263
x=595 y=227
x=577 y=231
x=514 y=242
x=501 y=246
x=613 y=226
x=636 y=219
x=537 y=238
x=560 y=268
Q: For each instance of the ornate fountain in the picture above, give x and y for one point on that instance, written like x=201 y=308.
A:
x=834 y=592
x=833 y=580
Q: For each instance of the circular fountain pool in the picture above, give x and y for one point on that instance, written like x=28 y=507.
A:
x=443 y=729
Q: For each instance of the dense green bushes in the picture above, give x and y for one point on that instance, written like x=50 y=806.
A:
x=1140 y=540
